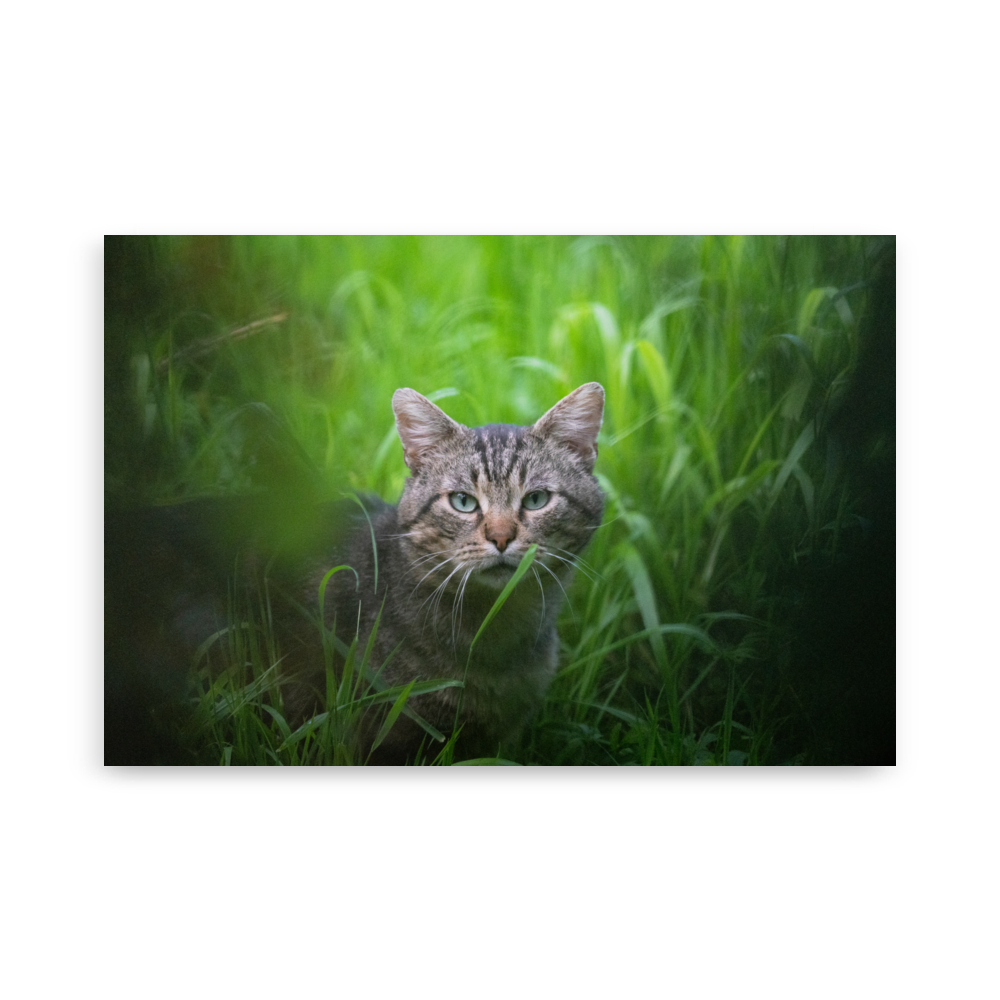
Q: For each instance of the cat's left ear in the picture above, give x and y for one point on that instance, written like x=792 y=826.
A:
x=423 y=427
x=575 y=421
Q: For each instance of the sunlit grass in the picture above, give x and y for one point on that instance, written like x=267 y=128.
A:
x=721 y=358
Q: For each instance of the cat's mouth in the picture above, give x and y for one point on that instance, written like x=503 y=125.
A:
x=504 y=568
x=499 y=561
x=497 y=570
x=495 y=578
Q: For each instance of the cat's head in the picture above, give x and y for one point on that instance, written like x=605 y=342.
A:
x=478 y=497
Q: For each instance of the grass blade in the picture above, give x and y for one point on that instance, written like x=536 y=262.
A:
x=304 y=730
x=522 y=567
x=371 y=529
x=390 y=719
x=798 y=450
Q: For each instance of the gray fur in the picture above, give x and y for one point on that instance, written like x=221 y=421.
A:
x=440 y=570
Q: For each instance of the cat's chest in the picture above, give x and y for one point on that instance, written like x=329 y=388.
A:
x=448 y=639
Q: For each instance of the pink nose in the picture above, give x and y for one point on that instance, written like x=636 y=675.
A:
x=501 y=535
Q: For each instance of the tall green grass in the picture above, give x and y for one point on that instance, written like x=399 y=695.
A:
x=722 y=360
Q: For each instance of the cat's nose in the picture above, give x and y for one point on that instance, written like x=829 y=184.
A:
x=501 y=534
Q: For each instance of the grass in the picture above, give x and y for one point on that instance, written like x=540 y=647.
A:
x=233 y=364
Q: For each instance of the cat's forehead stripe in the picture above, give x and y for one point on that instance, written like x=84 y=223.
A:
x=513 y=450
x=498 y=446
x=480 y=446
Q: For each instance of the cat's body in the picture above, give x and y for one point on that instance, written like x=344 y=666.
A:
x=508 y=673
x=476 y=501
x=441 y=567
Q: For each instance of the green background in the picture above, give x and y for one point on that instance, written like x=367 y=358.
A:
x=747 y=452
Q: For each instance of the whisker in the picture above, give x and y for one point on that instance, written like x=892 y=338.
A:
x=575 y=563
x=572 y=565
x=429 y=573
x=440 y=587
x=427 y=558
x=541 y=620
x=604 y=524
x=580 y=562
x=561 y=587
x=459 y=600
x=439 y=591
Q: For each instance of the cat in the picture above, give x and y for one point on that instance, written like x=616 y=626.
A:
x=477 y=498
x=428 y=571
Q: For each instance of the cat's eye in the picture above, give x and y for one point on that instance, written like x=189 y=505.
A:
x=535 y=499
x=464 y=502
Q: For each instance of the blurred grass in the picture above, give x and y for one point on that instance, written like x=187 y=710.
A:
x=726 y=362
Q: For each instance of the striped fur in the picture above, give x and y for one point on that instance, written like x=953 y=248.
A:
x=440 y=568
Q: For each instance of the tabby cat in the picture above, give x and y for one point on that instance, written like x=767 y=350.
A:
x=428 y=572
x=476 y=500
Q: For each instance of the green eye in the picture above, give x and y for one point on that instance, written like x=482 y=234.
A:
x=536 y=499
x=463 y=502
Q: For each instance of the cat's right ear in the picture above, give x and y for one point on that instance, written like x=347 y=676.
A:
x=423 y=427
x=575 y=422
